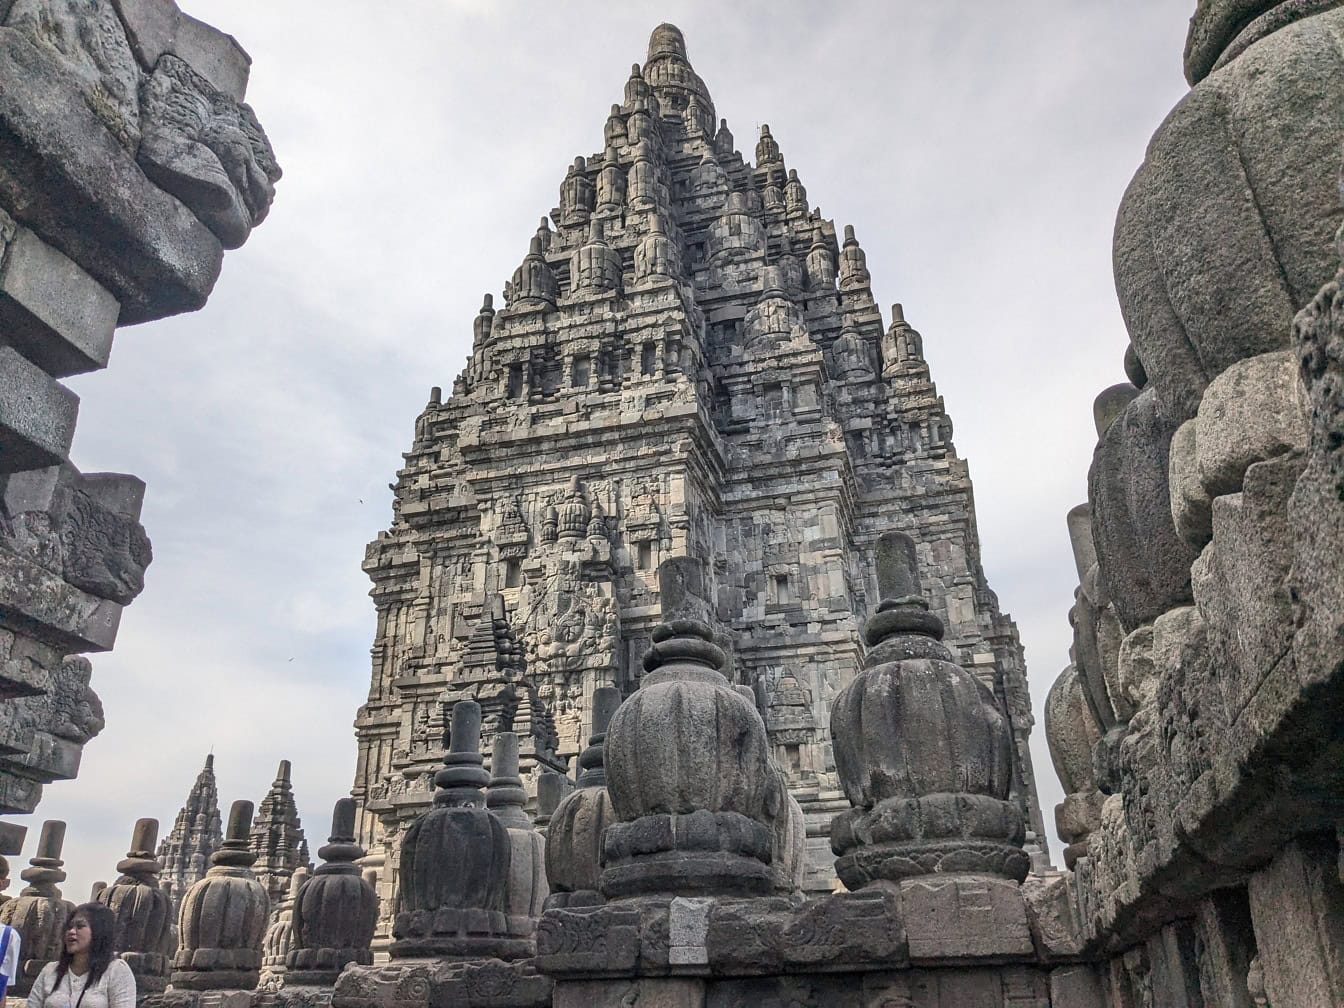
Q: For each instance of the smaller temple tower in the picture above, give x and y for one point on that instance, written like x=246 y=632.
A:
x=196 y=834
x=277 y=837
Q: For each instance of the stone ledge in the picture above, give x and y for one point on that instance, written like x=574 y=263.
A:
x=37 y=414
x=44 y=606
x=63 y=174
x=52 y=311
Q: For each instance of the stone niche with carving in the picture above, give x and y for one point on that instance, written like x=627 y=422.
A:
x=128 y=163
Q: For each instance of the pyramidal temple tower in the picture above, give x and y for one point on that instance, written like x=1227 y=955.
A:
x=687 y=361
x=196 y=834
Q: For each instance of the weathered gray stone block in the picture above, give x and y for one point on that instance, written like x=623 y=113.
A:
x=962 y=918
x=37 y=415
x=1191 y=505
x=1145 y=565
x=69 y=179
x=1076 y=987
x=1297 y=904
x=57 y=315
x=1227 y=228
x=1241 y=578
x=1110 y=405
x=1249 y=413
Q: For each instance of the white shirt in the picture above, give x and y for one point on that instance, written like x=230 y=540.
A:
x=114 y=989
x=10 y=966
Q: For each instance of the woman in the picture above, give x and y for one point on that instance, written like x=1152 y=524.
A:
x=88 y=974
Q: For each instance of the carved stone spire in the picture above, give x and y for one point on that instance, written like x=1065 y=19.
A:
x=144 y=935
x=655 y=255
x=577 y=195
x=923 y=752
x=39 y=911
x=277 y=837
x=574 y=834
x=527 y=886
x=723 y=139
x=853 y=263
x=196 y=834
x=819 y=264
x=687 y=764
x=767 y=150
x=336 y=910
x=596 y=267
x=533 y=286
x=455 y=862
x=795 y=196
x=610 y=185
x=223 y=917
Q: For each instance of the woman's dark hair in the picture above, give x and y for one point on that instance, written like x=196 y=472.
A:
x=103 y=926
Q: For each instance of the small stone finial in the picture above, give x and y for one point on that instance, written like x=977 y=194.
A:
x=550 y=789
x=666 y=40
x=436 y=395
x=592 y=769
x=682 y=593
x=898 y=314
x=897 y=567
x=767 y=149
x=235 y=849
x=51 y=840
x=505 y=796
x=463 y=777
x=723 y=139
x=902 y=627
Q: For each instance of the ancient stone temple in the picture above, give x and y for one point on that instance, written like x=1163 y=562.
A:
x=128 y=163
x=687 y=362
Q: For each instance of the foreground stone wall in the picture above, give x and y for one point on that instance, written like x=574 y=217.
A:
x=1197 y=729
x=128 y=163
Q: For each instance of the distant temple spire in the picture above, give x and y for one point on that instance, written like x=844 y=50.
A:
x=196 y=834
x=277 y=837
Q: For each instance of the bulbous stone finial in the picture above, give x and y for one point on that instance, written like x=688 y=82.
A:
x=144 y=912
x=39 y=911
x=335 y=912
x=687 y=764
x=574 y=837
x=922 y=750
x=455 y=862
x=223 y=916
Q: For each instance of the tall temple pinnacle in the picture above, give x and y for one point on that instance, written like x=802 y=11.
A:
x=687 y=363
x=196 y=834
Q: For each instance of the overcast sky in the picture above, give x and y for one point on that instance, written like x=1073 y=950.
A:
x=980 y=148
